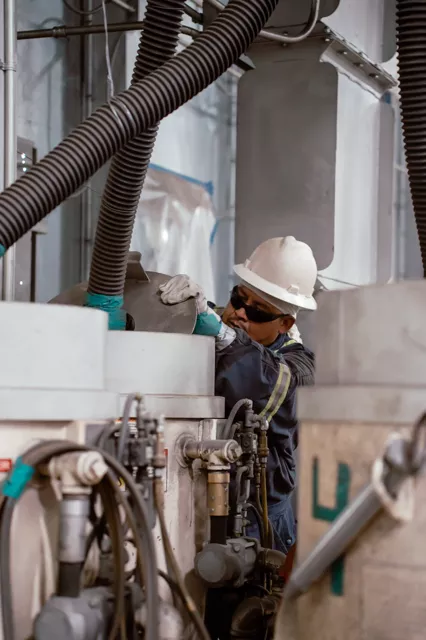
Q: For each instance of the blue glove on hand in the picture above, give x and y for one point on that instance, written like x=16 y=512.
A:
x=181 y=288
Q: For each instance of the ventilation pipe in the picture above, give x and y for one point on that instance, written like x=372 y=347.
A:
x=128 y=169
x=128 y=115
x=411 y=39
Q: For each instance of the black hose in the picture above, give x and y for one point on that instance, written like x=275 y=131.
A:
x=7 y=611
x=107 y=432
x=227 y=430
x=411 y=36
x=117 y=543
x=176 y=590
x=149 y=556
x=69 y=575
x=218 y=528
x=39 y=454
x=259 y=522
x=112 y=126
x=191 y=609
x=251 y=617
x=173 y=585
x=68 y=578
x=157 y=45
x=125 y=422
x=264 y=502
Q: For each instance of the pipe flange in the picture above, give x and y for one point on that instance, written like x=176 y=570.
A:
x=179 y=449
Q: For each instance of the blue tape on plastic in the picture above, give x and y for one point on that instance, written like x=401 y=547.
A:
x=208 y=324
x=208 y=186
x=112 y=306
x=20 y=476
x=2 y=250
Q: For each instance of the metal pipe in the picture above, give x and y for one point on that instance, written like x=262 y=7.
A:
x=335 y=541
x=278 y=37
x=65 y=32
x=224 y=450
x=123 y=5
x=195 y=15
x=9 y=70
x=218 y=493
x=74 y=512
x=87 y=108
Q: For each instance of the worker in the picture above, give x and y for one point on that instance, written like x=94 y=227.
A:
x=260 y=355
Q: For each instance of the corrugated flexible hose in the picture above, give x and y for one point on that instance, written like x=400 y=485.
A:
x=112 y=126
x=128 y=169
x=411 y=39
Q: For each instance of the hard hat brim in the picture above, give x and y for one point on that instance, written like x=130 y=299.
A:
x=304 y=302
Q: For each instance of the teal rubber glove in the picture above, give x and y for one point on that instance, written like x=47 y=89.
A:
x=208 y=324
x=181 y=288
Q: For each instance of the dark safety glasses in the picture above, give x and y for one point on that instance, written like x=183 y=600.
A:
x=253 y=314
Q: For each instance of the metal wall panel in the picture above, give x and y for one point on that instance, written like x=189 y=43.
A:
x=367 y=24
x=295 y=13
x=287 y=115
x=357 y=178
x=386 y=218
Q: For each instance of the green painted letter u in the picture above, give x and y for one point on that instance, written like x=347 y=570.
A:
x=319 y=512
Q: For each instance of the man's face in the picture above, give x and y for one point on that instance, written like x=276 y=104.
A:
x=263 y=332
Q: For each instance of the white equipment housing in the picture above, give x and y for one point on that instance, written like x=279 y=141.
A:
x=51 y=387
x=175 y=373
x=62 y=378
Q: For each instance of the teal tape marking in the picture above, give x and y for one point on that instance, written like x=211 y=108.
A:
x=112 y=305
x=208 y=324
x=319 y=512
x=2 y=250
x=117 y=320
x=337 y=576
x=20 y=476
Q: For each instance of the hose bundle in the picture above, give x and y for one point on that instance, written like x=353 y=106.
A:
x=128 y=169
x=112 y=126
x=411 y=36
x=112 y=496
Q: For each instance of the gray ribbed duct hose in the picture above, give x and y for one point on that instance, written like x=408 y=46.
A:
x=112 y=126
x=411 y=38
x=128 y=169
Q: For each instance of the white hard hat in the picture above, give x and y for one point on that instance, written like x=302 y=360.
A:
x=283 y=268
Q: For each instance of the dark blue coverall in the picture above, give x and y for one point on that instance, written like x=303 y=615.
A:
x=269 y=376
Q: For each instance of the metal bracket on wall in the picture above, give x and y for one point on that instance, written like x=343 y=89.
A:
x=7 y=67
x=26 y=158
x=347 y=59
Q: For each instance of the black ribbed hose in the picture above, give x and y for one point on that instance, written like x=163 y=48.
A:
x=92 y=143
x=411 y=39
x=128 y=169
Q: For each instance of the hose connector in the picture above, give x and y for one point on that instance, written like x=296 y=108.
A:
x=112 y=305
x=77 y=472
x=214 y=453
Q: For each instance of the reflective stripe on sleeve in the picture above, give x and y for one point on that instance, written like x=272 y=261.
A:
x=279 y=393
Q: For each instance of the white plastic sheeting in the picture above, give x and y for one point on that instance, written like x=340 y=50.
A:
x=359 y=170
x=197 y=141
x=173 y=227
